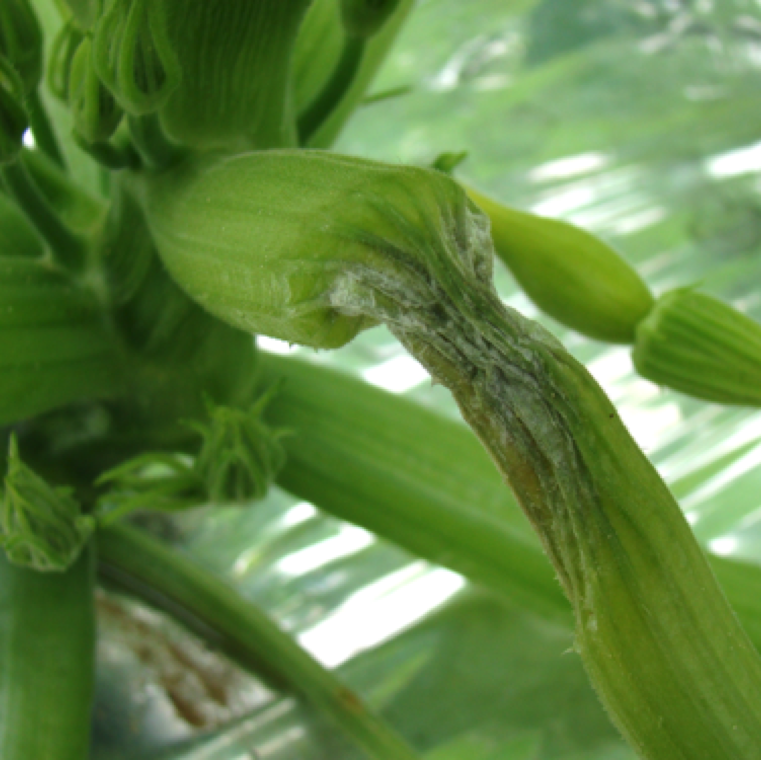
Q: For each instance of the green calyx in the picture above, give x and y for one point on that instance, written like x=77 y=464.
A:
x=568 y=273
x=94 y=109
x=239 y=457
x=701 y=346
x=13 y=117
x=240 y=454
x=134 y=57
x=21 y=41
x=41 y=527
x=365 y=18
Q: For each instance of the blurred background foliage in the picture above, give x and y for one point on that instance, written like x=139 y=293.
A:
x=636 y=119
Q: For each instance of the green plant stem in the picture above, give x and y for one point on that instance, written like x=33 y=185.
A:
x=215 y=610
x=333 y=91
x=68 y=247
x=42 y=129
x=47 y=661
x=424 y=483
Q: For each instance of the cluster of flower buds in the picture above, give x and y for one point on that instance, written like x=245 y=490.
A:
x=41 y=527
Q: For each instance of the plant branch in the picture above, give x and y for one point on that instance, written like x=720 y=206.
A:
x=217 y=612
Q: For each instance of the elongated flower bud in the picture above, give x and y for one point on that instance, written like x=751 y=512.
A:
x=134 y=56
x=21 y=40
x=41 y=527
x=62 y=52
x=240 y=455
x=568 y=273
x=94 y=108
x=365 y=18
x=13 y=117
x=311 y=244
x=698 y=345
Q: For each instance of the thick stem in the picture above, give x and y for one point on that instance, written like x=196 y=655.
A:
x=663 y=648
x=47 y=661
x=215 y=611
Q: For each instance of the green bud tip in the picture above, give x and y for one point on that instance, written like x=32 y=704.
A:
x=701 y=346
x=41 y=527
x=13 y=118
x=134 y=57
x=240 y=454
x=21 y=41
x=95 y=110
x=365 y=18
x=569 y=274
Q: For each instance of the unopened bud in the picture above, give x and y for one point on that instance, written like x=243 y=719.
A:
x=41 y=527
x=63 y=50
x=568 y=273
x=134 y=57
x=701 y=346
x=240 y=455
x=95 y=110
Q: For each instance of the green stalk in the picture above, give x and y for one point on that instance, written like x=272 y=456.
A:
x=409 y=475
x=47 y=659
x=216 y=611
x=67 y=246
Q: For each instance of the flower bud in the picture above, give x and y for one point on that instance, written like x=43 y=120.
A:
x=271 y=242
x=568 y=273
x=134 y=57
x=63 y=50
x=94 y=109
x=365 y=18
x=235 y=59
x=41 y=527
x=13 y=117
x=698 y=345
x=21 y=41
x=240 y=455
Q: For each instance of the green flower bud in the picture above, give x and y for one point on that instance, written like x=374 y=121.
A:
x=365 y=18
x=41 y=527
x=13 y=118
x=21 y=41
x=95 y=110
x=698 y=345
x=240 y=455
x=62 y=52
x=235 y=59
x=568 y=273
x=271 y=242
x=134 y=57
